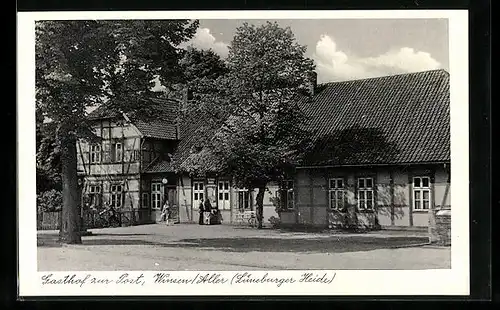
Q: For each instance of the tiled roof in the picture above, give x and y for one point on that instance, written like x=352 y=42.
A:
x=161 y=127
x=399 y=119
x=160 y=166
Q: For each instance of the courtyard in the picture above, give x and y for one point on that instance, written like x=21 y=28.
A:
x=224 y=247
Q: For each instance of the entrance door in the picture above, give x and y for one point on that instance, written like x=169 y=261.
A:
x=171 y=193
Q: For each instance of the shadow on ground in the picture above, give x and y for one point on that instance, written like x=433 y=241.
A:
x=334 y=244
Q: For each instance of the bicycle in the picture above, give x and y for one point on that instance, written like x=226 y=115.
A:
x=107 y=218
x=252 y=220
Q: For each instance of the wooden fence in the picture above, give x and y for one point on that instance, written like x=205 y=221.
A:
x=92 y=219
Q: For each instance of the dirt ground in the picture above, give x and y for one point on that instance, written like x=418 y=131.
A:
x=224 y=247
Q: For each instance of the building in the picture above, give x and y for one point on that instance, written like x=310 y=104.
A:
x=383 y=153
x=382 y=159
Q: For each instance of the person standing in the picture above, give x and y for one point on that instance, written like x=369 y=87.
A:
x=208 y=208
x=201 y=209
x=165 y=211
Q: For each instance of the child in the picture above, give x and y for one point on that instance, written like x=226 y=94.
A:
x=165 y=211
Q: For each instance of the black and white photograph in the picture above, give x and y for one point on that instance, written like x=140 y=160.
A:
x=241 y=149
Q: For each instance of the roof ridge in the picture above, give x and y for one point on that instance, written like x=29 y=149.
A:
x=385 y=76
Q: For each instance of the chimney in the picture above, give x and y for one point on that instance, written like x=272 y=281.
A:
x=187 y=95
x=312 y=83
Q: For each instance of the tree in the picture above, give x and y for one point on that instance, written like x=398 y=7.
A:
x=256 y=128
x=48 y=159
x=80 y=64
x=197 y=64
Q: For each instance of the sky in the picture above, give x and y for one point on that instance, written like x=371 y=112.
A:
x=346 y=49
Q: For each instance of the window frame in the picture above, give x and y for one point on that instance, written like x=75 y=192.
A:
x=95 y=154
x=197 y=191
x=245 y=193
x=145 y=201
x=225 y=191
x=156 y=195
x=287 y=195
x=421 y=189
x=365 y=189
x=94 y=194
x=116 y=197
x=115 y=158
x=336 y=189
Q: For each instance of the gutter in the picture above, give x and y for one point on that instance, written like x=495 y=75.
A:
x=377 y=165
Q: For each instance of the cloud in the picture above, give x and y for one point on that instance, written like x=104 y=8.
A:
x=203 y=39
x=335 y=65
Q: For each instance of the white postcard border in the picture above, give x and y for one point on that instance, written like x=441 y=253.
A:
x=454 y=281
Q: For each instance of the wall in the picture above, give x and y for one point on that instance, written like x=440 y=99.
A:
x=130 y=185
x=189 y=212
x=111 y=131
x=393 y=196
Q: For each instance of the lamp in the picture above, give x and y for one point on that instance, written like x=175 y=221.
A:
x=164 y=181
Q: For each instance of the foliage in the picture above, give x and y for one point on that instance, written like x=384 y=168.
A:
x=198 y=64
x=48 y=158
x=81 y=64
x=49 y=201
x=276 y=203
x=256 y=128
x=251 y=111
x=275 y=222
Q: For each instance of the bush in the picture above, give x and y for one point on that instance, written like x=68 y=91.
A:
x=275 y=222
x=49 y=201
x=276 y=203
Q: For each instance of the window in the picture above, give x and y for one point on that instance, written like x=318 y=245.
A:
x=145 y=200
x=336 y=193
x=116 y=195
x=244 y=199
x=421 y=193
x=365 y=194
x=198 y=192
x=94 y=195
x=116 y=152
x=136 y=155
x=223 y=193
x=287 y=197
x=156 y=195
x=95 y=153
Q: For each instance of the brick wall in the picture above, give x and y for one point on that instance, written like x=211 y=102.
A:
x=442 y=230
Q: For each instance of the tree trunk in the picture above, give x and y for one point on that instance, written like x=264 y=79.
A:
x=260 y=206
x=70 y=225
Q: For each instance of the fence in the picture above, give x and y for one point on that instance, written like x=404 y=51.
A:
x=92 y=219
x=48 y=220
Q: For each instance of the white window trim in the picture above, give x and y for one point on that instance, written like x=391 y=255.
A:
x=95 y=191
x=196 y=202
x=336 y=190
x=95 y=154
x=154 y=193
x=116 y=194
x=118 y=159
x=244 y=190
x=421 y=189
x=224 y=191
x=365 y=189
